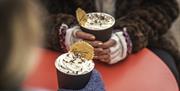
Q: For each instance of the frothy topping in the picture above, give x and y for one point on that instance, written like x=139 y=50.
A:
x=71 y=64
x=99 y=21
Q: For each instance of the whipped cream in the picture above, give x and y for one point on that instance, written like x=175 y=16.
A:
x=70 y=64
x=99 y=21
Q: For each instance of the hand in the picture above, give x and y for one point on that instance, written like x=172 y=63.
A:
x=114 y=50
x=104 y=55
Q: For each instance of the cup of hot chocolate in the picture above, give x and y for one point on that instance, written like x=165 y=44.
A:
x=99 y=24
x=75 y=67
x=73 y=71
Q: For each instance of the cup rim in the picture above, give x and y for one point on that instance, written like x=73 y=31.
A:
x=100 y=29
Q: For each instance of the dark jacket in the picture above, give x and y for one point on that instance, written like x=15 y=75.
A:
x=146 y=20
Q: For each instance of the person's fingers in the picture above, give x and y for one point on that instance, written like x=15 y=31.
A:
x=105 y=60
x=85 y=36
x=102 y=57
x=97 y=51
x=95 y=57
x=108 y=44
x=100 y=51
x=105 y=51
x=95 y=43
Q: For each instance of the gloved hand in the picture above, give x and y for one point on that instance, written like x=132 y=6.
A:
x=95 y=83
x=118 y=51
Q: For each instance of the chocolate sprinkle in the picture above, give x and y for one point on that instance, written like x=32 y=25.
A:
x=76 y=72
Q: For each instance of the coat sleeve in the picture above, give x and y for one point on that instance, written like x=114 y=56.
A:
x=146 y=22
x=59 y=12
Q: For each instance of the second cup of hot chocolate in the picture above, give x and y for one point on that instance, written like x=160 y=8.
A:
x=100 y=25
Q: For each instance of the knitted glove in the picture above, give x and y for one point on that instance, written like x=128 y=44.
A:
x=122 y=48
x=67 y=36
x=70 y=36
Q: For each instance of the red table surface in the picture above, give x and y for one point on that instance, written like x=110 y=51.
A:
x=142 y=71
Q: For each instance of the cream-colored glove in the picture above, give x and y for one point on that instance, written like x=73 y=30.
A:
x=119 y=51
x=70 y=36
